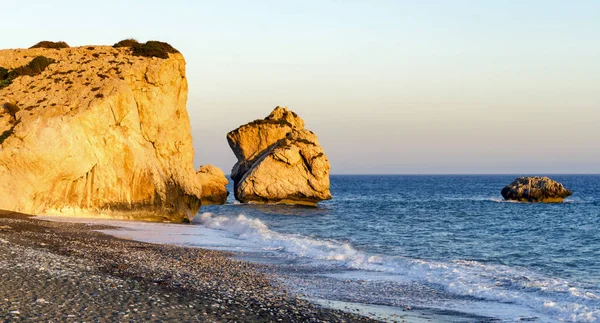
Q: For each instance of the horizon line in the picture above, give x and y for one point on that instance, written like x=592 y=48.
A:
x=453 y=174
x=450 y=174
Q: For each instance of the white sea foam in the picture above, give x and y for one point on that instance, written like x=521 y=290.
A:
x=552 y=296
x=557 y=299
x=501 y=200
x=256 y=231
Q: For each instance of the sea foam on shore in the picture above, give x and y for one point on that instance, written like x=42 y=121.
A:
x=64 y=271
x=467 y=287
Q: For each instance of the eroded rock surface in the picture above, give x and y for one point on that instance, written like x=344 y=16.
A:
x=535 y=189
x=249 y=141
x=214 y=184
x=279 y=161
x=98 y=133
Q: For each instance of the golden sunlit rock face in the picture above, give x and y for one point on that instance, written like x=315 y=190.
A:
x=99 y=132
x=279 y=161
x=214 y=184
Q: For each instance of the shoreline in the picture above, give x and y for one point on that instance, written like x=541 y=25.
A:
x=69 y=271
x=295 y=280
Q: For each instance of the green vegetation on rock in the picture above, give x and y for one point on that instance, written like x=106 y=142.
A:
x=50 y=44
x=151 y=48
x=126 y=43
x=4 y=80
x=35 y=67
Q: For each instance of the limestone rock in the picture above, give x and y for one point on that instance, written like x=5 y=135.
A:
x=214 y=184
x=100 y=133
x=250 y=140
x=535 y=189
x=279 y=161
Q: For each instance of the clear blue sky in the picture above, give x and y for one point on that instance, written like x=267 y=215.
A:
x=389 y=86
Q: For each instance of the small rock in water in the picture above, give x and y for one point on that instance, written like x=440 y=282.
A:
x=14 y=312
x=535 y=189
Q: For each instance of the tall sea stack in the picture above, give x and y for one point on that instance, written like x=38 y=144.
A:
x=279 y=161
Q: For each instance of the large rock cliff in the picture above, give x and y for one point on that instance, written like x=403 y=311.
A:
x=99 y=132
x=279 y=161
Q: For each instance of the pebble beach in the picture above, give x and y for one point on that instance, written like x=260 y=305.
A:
x=56 y=271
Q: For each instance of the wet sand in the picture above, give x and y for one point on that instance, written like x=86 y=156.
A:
x=57 y=271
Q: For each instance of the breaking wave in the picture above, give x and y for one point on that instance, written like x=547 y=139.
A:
x=557 y=298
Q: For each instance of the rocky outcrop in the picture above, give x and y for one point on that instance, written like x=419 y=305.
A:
x=279 y=161
x=535 y=189
x=98 y=132
x=249 y=141
x=214 y=184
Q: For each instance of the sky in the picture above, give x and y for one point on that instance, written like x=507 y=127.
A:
x=390 y=87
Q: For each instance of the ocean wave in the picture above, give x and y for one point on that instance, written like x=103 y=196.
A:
x=256 y=230
x=565 y=201
x=501 y=200
x=556 y=297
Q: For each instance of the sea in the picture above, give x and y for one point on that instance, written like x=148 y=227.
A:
x=423 y=248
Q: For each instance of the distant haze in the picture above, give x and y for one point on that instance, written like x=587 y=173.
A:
x=388 y=86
